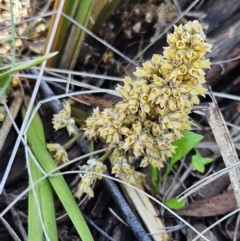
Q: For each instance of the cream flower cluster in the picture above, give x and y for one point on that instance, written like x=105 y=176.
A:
x=63 y=119
x=89 y=178
x=60 y=155
x=156 y=105
x=122 y=168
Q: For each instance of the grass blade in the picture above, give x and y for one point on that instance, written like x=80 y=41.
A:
x=58 y=183
x=44 y=195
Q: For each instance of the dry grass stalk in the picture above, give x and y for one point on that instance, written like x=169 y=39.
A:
x=225 y=144
x=15 y=106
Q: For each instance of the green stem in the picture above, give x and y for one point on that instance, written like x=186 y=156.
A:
x=127 y=157
x=13 y=33
x=73 y=140
x=105 y=156
x=91 y=147
x=154 y=179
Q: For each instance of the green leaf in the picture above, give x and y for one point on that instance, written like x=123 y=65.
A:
x=173 y=203
x=199 y=162
x=38 y=147
x=4 y=83
x=34 y=225
x=28 y=64
x=5 y=78
x=184 y=145
x=44 y=194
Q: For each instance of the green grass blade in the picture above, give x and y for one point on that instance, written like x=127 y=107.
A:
x=101 y=12
x=76 y=36
x=5 y=78
x=4 y=83
x=13 y=33
x=62 y=31
x=48 y=208
x=58 y=183
x=44 y=194
x=34 y=225
x=28 y=64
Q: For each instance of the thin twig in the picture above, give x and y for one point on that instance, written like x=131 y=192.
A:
x=99 y=229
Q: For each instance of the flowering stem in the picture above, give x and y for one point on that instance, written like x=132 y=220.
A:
x=156 y=106
x=73 y=140
x=155 y=180
x=127 y=157
x=91 y=148
x=105 y=156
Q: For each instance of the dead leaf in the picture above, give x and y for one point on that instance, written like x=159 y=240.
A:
x=218 y=205
x=96 y=101
x=215 y=187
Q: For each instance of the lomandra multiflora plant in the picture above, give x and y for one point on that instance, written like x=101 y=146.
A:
x=154 y=110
